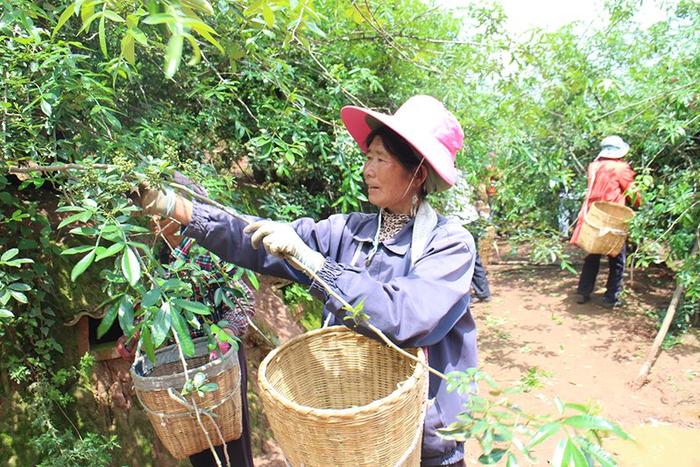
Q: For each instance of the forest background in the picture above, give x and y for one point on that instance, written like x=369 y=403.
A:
x=243 y=96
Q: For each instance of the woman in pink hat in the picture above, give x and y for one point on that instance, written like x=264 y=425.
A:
x=409 y=266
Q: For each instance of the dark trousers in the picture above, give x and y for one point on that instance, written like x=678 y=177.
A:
x=479 y=281
x=591 y=265
x=239 y=450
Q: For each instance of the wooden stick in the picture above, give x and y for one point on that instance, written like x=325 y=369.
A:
x=642 y=377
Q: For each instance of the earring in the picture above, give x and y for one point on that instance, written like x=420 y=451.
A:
x=414 y=204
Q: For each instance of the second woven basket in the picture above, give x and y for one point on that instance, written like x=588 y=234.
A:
x=335 y=397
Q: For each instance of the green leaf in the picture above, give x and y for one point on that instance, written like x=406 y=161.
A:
x=65 y=16
x=5 y=313
x=113 y=16
x=111 y=251
x=512 y=461
x=83 y=216
x=573 y=453
x=82 y=265
x=46 y=108
x=196 y=52
x=543 y=433
x=180 y=327
x=209 y=387
x=147 y=343
x=159 y=19
x=201 y=5
x=578 y=407
x=131 y=267
x=268 y=16
x=139 y=36
x=150 y=298
x=102 y=36
x=161 y=324
x=493 y=457
x=128 y=49
x=558 y=454
x=107 y=320
x=597 y=452
x=173 y=54
x=194 y=307
x=125 y=313
x=9 y=254
x=18 y=296
x=223 y=336
x=207 y=33
x=558 y=404
x=87 y=9
x=589 y=422
x=252 y=278
x=78 y=249
x=19 y=286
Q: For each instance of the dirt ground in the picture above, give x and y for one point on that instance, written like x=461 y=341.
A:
x=533 y=333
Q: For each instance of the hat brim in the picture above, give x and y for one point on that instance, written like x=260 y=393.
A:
x=616 y=153
x=360 y=122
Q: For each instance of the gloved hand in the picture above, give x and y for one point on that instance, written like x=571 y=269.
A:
x=160 y=202
x=282 y=241
x=223 y=348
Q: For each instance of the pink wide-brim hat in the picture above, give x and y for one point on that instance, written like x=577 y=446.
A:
x=423 y=122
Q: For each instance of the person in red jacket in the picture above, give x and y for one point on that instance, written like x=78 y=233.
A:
x=609 y=179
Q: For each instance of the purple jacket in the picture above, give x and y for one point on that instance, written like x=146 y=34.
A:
x=422 y=305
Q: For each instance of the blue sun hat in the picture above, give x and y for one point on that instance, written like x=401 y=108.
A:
x=613 y=147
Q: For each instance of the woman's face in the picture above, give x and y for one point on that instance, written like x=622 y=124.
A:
x=389 y=184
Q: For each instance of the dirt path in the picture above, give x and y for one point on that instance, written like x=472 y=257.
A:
x=532 y=331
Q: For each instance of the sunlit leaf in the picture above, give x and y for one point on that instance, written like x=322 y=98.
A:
x=173 y=54
x=130 y=266
x=82 y=265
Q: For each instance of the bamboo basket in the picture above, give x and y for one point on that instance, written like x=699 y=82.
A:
x=605 y=228
x=335 y=397
x=172 y=415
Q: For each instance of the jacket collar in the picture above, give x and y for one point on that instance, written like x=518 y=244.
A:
x=398 y=245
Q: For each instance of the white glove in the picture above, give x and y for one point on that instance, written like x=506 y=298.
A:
x=160 y=202
x=282 y=241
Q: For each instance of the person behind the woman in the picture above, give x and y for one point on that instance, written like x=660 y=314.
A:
x=609 y=179
x=176 y=247
x=410 y=267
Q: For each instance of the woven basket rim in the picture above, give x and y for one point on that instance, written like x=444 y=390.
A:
x=619 y=206
x=212 y=368
x=406 y=385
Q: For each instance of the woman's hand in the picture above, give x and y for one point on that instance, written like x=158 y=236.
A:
x=163 y=202
x=155 y=201
x=282 y=241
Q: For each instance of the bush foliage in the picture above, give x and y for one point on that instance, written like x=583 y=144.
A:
x=243 y=97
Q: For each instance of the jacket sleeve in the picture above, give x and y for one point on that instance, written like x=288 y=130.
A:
x=417 y=309
x=222 y=234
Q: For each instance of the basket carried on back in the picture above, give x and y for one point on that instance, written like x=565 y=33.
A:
x=172 y=415
x=335 y=397
x=604 y=228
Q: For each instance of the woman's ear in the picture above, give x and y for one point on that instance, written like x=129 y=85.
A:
x=422 y=175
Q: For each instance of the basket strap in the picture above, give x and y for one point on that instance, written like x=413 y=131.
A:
x=173 y=395
x=608 y=230
x=595 y=165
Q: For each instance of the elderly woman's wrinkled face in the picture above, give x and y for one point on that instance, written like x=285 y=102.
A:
x=389 y=184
